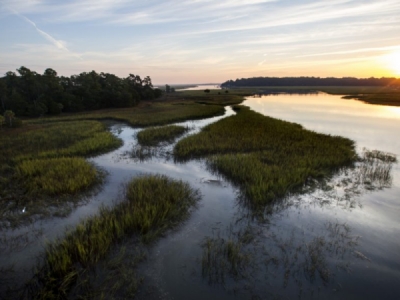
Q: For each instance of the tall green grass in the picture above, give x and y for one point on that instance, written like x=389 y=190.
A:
x=148 y=114
x=215 y=97
x=155 y=135
x=83 y=138
x=55 y=176
x=172 y=108
x=42 y=161
x=152 y=204
x=267 y=157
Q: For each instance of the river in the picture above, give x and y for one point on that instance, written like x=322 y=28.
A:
x=338 y=241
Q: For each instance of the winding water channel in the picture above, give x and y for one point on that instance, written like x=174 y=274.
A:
x=338 y=241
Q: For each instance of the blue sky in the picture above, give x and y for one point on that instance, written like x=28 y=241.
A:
x=202 y=41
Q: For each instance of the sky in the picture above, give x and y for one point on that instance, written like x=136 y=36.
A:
x=202 y=41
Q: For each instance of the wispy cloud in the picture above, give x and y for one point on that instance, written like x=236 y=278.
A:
x=57 y=43
x=47 y=36
x=222 y=16
x=362 y=50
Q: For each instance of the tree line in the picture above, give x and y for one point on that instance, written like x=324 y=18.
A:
x=311 y=81
x=27 y=93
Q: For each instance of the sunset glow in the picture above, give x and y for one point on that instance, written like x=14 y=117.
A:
x=395 y=62
x=203 y=41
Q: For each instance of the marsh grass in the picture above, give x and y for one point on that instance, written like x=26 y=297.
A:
x=159 y=203
x=55 y=176
x=268 y=158
x=45 y=161
x=153 y=136
x=172 y=108
x=83 y=138
x=81 y=135
x=383 y=97
x=114 y=277
x=372 y=171
x=215 y=97
x=155 y=113
x=152 y=204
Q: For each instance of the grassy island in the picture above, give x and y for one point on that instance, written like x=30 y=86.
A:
x=155 y=135
x=266 y=157
x=43 y=166
x=152 y=204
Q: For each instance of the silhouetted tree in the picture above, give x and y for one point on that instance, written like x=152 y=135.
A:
x=32 y=94
x=310 y=81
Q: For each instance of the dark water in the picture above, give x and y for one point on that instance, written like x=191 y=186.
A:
x=340 y=241
x=20 y=248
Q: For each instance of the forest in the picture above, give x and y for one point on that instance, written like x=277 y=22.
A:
x=311 y=81
x=30 y=94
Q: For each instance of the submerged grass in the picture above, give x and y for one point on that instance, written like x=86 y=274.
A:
x=227 y=256
x=248 y=257
x=375 y=169
x=267 y=157
x=155 y=135
x=152 y=204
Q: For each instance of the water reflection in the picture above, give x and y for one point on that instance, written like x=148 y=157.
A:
x=371 y=126
x=201 y=87
x=313 y=245
x=392 y=111
x=367 y=206
x=332 y=241
x=301 y=257
x=263 y=262
x=21 y=247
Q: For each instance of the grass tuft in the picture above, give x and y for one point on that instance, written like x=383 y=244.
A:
x=46 y=161
x=153 y=136
x=55 y=176
x=152 y=204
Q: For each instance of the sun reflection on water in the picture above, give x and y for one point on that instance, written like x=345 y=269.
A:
x=392 y=111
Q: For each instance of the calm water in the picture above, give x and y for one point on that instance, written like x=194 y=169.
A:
x=334 y=243
x=331 y=244
x=375 y=218
x=202 y=87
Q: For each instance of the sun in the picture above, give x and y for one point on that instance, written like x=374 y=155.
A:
x=393 y=61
